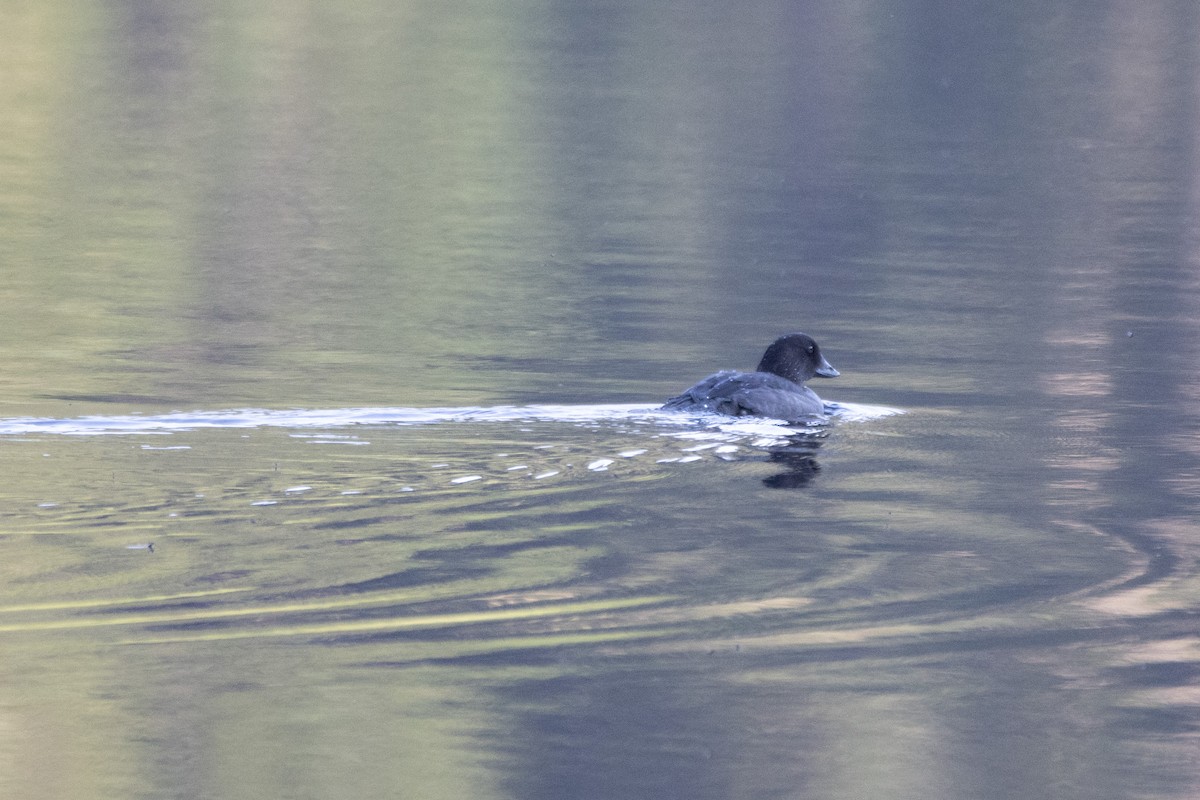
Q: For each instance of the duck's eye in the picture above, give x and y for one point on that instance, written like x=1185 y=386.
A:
x=810 y=348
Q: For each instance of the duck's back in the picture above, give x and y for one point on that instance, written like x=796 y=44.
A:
x=759 y=394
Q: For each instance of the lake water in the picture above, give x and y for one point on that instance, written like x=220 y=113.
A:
x=333 y=341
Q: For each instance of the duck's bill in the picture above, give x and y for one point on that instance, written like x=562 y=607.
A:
x=826 y=370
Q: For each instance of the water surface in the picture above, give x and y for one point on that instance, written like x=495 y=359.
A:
x=333 y=346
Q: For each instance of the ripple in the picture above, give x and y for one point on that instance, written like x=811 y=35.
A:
x=445 y=509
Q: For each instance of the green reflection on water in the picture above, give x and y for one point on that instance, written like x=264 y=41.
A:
x=249 y=213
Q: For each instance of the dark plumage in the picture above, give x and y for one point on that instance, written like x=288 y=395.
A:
x=775 y=390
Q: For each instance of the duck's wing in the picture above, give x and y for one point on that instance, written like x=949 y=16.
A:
x=760 y=394
x=790 y=404
x=707 y=393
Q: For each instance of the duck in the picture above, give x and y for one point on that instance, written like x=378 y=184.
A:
x=775 y=389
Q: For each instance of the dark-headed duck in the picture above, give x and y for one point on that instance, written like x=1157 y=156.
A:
x=775 y=390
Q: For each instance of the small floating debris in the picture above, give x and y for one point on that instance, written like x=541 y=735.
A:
x=600 y=464
x=406 y=489
x=143 y=546
x=467 y=479
x=265 y=503
x=352 y=491
x=47 y=505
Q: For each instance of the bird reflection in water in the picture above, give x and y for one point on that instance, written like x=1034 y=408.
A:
x=798 y=459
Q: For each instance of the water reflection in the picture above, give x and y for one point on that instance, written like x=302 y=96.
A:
x=410 y=262
x=798 y=458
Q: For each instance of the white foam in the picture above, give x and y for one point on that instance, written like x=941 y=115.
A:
x=181 y=421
